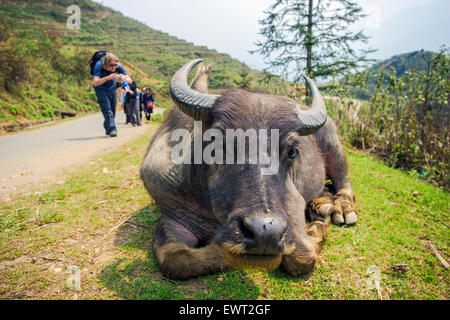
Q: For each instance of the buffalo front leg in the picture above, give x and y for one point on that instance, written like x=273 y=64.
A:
x=338 y=208
x=303 y=259
x=307 y=238
x=343 y=201
x=174 y=249
x=343 y=208
x=320 y=209
x=337 y=202
x=342 y=198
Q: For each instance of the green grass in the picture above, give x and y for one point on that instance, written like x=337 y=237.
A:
x=80 y=222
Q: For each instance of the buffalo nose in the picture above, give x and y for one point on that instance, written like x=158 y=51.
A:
x=263 y=235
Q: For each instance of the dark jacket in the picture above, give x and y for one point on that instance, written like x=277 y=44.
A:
x=129 y=96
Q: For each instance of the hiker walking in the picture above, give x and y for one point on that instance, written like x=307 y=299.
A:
x=133 y=101
x=106 y=71
x=123 y=95
x=148 y=101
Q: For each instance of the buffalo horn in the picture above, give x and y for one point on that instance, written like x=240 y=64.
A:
x=193 y=103
x=314 y=118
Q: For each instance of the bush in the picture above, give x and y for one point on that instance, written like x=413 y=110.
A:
x=14 y=62
x=14 y=109
x=406 y=119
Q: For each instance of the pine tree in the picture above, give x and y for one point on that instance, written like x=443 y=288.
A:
x=312 y=37
x=246 y=79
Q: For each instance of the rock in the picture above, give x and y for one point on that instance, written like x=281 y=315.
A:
x=56 y=270
x=400 y=268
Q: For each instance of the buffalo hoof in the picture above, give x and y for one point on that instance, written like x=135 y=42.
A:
x=320 y=209
x=350 y=218
x=337 y=218
x=325 y=210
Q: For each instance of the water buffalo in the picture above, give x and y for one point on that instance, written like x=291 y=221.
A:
x=218 y=215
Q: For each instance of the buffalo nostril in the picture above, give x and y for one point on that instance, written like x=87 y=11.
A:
x=266 y=233
x=246 y=232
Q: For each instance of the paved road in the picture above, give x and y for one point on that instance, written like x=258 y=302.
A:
x=35 y=158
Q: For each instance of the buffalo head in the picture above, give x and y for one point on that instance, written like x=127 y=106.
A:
x=261 y=216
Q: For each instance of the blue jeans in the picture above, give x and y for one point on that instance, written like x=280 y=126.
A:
x=107 y=100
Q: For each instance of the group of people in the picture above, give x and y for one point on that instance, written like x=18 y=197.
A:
x=134 y=101
x=108 y=76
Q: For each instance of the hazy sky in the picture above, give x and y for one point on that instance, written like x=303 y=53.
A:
x=231 y=26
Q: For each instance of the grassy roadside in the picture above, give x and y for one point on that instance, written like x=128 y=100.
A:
x=50 y=123
x=101 y=220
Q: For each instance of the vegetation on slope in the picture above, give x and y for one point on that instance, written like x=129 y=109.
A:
x=402 y=63
x=45 y=64
x=405 y=119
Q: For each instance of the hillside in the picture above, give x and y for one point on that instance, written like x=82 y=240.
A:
x=45 y=64
x=402 y=64
x=404 y=118
x=411 y=61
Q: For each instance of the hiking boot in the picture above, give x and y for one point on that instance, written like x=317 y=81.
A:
x=113 y=133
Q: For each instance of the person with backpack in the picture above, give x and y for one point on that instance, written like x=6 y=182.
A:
x=106 y=72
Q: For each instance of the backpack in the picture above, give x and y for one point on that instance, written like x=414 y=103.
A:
x=95 y=58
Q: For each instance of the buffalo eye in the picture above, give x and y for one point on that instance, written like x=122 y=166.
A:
x=293 y=153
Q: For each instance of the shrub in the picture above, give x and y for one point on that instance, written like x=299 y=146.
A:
x=14 y=62
x=405 y=120
x=14 y=109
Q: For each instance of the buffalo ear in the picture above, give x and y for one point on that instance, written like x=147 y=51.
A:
x=200 y=81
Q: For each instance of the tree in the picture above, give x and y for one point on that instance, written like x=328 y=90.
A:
x=312 y=37
x=246 y=79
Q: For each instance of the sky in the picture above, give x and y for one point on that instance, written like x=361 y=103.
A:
x=231 y=26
